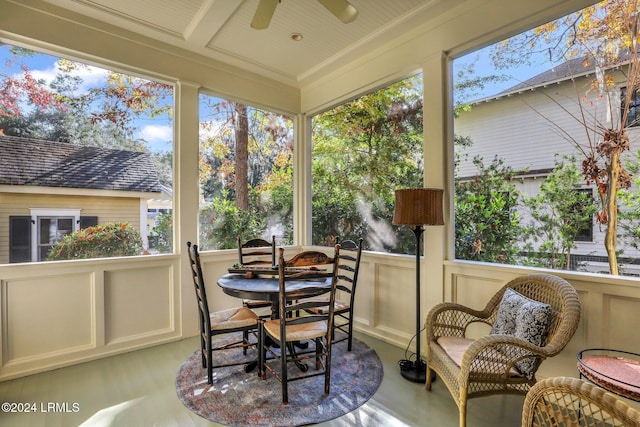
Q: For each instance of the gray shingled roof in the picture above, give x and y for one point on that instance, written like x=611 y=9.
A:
x=572 y=68
x=575 y=67
x=26 y=161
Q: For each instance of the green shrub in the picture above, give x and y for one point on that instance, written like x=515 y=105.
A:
x=100 y=241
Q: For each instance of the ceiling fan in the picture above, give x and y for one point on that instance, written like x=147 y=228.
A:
x=342 y=9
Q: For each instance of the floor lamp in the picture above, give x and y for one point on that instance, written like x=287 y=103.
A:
x=417 y=207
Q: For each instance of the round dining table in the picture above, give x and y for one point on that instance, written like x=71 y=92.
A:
x=267 y=287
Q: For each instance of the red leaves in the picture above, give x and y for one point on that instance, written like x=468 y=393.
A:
x=13 y=90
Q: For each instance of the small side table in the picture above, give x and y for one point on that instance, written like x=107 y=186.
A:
x=614 y=370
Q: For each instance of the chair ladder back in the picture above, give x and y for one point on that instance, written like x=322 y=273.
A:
x=349 y=262
x=199 y=285
x=257 y=252
x=288 y=301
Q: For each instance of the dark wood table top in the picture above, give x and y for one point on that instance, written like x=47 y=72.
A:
x=266 y=287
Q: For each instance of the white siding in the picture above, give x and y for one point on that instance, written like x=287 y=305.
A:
x=529 y=128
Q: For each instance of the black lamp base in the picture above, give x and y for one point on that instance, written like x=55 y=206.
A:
x=415 y=372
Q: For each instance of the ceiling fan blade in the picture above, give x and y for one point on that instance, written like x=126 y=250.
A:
x=342 y=9
x=264 y=13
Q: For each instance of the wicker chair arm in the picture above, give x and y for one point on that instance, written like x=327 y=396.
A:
x=577 y=402
x=451 y=319
x=495 y=356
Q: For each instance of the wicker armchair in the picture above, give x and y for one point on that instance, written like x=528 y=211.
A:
x=489 y=365
x=563 y=401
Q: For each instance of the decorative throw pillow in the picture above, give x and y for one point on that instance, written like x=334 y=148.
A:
x=505 y=322
x=532 y=324
x=523 y=318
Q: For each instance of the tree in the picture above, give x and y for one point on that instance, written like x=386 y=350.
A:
x=62 y=111
x=486 y=222
x=241 y=129
x=225 y=222
x=558 y=213
x=630 y=199
x=246 y=160
x=161 y=236
x=14 y=90
x=605 y=36
x=362 y=151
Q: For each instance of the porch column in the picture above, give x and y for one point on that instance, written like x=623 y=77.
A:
x=186 y=200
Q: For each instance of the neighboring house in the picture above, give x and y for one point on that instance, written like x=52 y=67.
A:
x=528 y=124
x=66 y=187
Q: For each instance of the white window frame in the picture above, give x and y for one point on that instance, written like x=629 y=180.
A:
x=37 y=213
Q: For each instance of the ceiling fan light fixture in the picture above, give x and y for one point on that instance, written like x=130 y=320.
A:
x=341 y=9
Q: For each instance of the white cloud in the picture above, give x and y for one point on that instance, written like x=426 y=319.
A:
x=155 y=133
x=91 y=76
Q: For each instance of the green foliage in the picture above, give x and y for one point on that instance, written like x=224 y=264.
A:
x=630 y=215
x=162 y=234
x=221 y=222
x=101 y=241
x=363 y=151
x=468 y=85
x=486 y=222
x=558 y=213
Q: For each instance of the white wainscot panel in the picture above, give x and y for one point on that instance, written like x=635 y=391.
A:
x=474 y=291
x=47 y=316
x=364 y=295
x=621 y=322
x=139 y=303
x=395 y=300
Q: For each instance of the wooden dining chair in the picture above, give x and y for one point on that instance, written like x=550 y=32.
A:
x=290 y=328
x=240 y=319
x=257 y=253
x=347 y=279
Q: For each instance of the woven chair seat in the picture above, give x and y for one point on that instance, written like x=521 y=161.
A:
x=338 y=306
x=299 y=332
x=233 y=318
x=495 y=361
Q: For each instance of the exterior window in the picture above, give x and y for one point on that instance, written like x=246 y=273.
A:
x=95 y=139
x=32 y=237
x=517 y=111
x=51 y=230
x=633 y=110
x=585 y=233
x=362 y=151
x=246 y=174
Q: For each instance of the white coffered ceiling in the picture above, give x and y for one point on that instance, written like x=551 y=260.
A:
x=220 y=29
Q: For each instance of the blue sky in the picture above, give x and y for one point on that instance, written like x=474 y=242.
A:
x=158 y=131
x=483 y=67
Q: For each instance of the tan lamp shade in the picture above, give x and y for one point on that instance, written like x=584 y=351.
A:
x=418 y=206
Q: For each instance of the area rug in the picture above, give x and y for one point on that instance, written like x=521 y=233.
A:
x=237 y=398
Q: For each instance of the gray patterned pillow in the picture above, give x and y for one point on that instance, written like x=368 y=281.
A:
x=526 y=319
x=505 y=322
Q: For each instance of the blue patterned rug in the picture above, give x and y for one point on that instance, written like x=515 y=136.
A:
x=237 y=398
